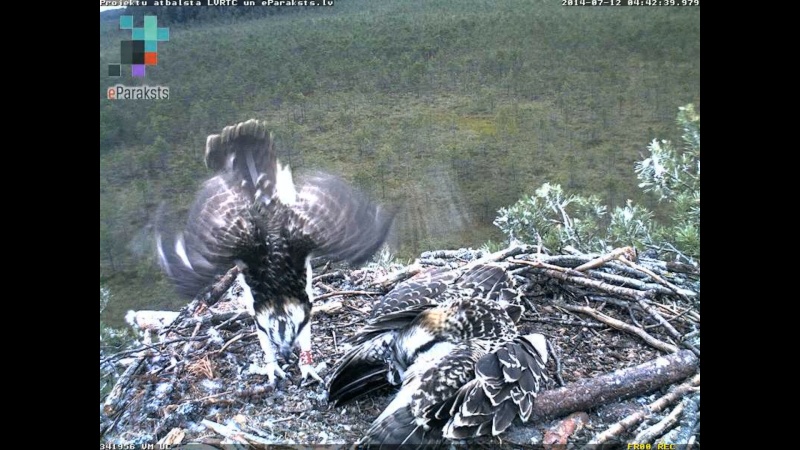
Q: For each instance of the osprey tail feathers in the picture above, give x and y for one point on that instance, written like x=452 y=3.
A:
x=247 y=152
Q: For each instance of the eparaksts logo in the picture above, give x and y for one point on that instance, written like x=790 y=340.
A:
x=120 y=92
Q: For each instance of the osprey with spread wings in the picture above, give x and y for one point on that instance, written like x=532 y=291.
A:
x=251 y=214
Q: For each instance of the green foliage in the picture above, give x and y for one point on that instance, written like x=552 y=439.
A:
x=492 y=246
x=385 y=259
x=556 y=219
x=673 y=174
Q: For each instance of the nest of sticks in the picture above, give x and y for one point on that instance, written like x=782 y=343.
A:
x=624 y=335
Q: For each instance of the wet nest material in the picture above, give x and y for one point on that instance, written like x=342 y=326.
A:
x=197 y=380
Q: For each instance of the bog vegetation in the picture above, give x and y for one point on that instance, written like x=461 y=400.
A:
x=453 y=110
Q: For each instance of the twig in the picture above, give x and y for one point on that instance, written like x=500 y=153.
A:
x=620 y=325
x=651 y=433
x=234 y=434
x=395 y=277
x=544 y=265
x=232 y=319
x=356 y=310
x=234 y=339
x=683 y=293
x=689 y=422
x=569 y=323
x=619 y=253
x=334 y=294
x=187 y=345
x=629 y=282
x=557 y=361
x=328 y=276
x=691 y=442
x=675 y=334
x=152 y=346
x=600 y=285
x=207 y=397
x=628 y=422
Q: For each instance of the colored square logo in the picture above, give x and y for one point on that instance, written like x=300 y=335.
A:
x=142 y=49
x=125 y=22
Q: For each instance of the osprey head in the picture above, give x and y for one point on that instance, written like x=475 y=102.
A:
x=284 y=327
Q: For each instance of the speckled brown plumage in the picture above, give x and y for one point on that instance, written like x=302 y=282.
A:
x=450 y=342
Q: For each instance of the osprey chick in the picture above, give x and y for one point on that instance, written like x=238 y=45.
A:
x=450 y=342
x=251 y=214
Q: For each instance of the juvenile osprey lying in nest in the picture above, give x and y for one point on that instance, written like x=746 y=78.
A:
x=251 y=214
x=450 y=342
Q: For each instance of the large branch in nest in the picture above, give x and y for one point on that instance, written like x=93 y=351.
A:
x=209 y=296
x=620 y=384
x=409 y=271
x=114 y=403
x=658 y=405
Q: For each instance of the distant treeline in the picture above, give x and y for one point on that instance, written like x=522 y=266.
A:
x=194 y=14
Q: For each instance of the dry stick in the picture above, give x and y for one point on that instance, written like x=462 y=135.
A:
x=544 y=265
x=151 y=346
x=689 y=423
x=209 y=297
x=625 y=383
x=620 y=325
x=395 y=277
x=232 y=340
x=688 y=312
x=587 y=282
x=333 y=294
x=207 y=397
x=618 y=253
x=173 y=438
x=651 y=433
x=218 y=319
x=612 y=300
x=188 y=345
x=575 y=254
x=114 y=399
x=675 y=334
x=409 y=271
x=629 y=282
x=690 y=444
x=233 y=318
x=658 y=405
x=513 y=250
x=328 y=276
x=330 y=308
x=683 y=293
x=569 y=323
x=557 y=361
x=235 y=435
